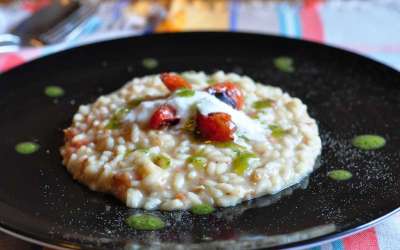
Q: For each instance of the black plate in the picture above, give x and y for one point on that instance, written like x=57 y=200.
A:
x=346 y=93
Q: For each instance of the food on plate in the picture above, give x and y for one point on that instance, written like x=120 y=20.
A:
x=340 y=175
x=191 y=141
x=54 y=91
x=368 y=142
x=27 y=148
x=284 y=64
x=146 y=222
x=150 y=63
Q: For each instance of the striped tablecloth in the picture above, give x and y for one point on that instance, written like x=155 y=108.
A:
x=371 y=28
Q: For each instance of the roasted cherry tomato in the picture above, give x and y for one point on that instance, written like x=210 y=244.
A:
x=173 y=81
x=165 y=115
x=229 y=93
x=216 y=126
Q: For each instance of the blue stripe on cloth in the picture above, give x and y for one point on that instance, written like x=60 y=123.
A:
x=233 y=14
x=281 y=19
x=291 y=19
x=297 y=21
x=337 y=245
x=315 y=248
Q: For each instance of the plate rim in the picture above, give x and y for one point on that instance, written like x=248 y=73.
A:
x=298 y=245
x=59 y=244
x=78 y=45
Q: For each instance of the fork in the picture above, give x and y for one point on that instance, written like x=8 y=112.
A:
x=71 y=27
x=68 y=29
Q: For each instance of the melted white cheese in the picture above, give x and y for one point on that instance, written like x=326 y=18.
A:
x=205 y=104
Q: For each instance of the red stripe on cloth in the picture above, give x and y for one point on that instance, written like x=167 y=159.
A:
x=33 y=6
x=312 y=28
x=10 y=61
x=365 y=240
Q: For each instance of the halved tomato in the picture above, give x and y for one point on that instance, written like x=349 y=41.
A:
x=174 y=81
x=229 y=93
x=216 y=126
x=164 y=115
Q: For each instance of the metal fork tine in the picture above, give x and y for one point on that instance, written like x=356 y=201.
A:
x=61 y=30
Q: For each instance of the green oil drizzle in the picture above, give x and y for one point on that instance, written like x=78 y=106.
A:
x=340 y=175
x=262 y=104
x=54 y=91
x=189 y=125
x=145 y=222
x=134 y=103
x=284 y=64
x=185 y=93
x=368 y=142
x=211 y=81
x=150 y=63
x=277 y=132
x=27 y=148
x=162 y=161
x=242 y=162
x=202 y=209
x=117 y=117
x=198 y=162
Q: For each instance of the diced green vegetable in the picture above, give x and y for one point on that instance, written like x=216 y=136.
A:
x=197 y=161
x=242 y=161
x=340 y=175
x=145 y=222
x=368 y=142
x=211 y=81
x=284 y=64
x=162 y=161
x=190 y=125
x=262 y=104
x=185 y=93
x=202 y=209
x=277 y=131
x=116 y=119
x=134 y=103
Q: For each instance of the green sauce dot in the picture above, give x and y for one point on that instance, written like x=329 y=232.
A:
x=150 y=63
x=54 y=91
x=340 y=175
x=145 y=222
x=26 y=148
x=284 y=64
x=202 y=209
x=368 y=142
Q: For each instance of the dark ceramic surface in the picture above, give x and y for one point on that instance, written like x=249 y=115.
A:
x=347 y=94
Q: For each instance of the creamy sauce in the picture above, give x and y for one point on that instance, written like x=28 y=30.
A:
x=205 y=104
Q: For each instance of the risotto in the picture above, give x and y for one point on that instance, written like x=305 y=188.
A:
x=172 y=141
